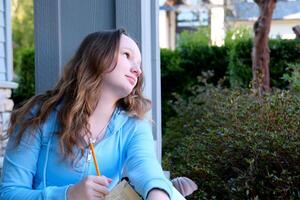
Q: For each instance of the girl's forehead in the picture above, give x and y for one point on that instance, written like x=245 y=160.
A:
x=127 y=42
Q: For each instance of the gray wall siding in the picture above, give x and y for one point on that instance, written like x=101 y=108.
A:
x=2 y=49
x=141 y=20
x=5 y=42
x=2 y=29
x=1 y=5
x=85 y=18
x=156 y=75
x=59 y=28
x=2 y=42
x=2 y=76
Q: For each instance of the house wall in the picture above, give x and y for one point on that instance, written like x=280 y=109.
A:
x=3 y=25
x=163 y=30
x=282 y=28
x=217 y=26
x=167 y=29
x=6 y=104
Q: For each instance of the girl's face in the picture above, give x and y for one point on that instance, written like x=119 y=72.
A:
x=124 y=77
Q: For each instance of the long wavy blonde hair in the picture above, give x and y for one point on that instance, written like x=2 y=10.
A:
x=78 y=92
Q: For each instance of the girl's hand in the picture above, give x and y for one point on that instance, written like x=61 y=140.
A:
x=92 y=187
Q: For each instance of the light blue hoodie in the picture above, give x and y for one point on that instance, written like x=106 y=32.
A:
x=35 y=169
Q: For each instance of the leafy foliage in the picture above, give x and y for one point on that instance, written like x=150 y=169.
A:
x=282 y=54
x=234 y=145
x=26 y=77
x=23 y=44
x=292 y=76
x=181 y=67
x=201 y=36
x=22 y=23
x=238 y=34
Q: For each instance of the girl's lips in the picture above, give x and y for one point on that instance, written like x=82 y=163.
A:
x=131 y=80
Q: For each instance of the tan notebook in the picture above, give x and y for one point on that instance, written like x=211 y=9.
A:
x=124 y=191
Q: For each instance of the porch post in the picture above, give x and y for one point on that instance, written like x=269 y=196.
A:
x=140 y=18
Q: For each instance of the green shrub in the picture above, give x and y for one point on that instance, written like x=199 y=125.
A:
x=234 y=145
x=238 y=34
x=240 y=63
x=26 y=76
x=282 y=54
x=171 y=72
x=189 y=38
x=199 y=58
x=181 y=67
x=292 y=76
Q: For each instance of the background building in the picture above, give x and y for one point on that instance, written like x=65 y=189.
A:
x=219 y=16
x=285 y=16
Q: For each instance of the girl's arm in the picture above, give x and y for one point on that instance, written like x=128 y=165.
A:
x=19 y=169
x=155 y=194
x=142 y=166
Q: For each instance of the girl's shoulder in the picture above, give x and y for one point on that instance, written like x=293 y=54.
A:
x=135 y=122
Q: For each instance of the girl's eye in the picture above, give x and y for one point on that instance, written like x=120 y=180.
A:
x=126 y=54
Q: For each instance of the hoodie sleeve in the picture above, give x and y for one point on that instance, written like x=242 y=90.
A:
x=141 y=165
x=19 y=169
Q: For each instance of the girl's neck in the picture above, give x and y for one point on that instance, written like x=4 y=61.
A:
x=105 y=106
x=101 y=116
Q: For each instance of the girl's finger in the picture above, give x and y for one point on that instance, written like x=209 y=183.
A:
x=102 y=180
x=98 y=196
x=100 y=189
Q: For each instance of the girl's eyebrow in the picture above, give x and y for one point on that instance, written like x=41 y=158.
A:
x=128 y=48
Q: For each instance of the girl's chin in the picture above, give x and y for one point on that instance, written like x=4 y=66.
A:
x=126 y=92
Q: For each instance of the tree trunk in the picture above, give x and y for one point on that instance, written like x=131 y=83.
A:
x=260 y=50
x=296 y=30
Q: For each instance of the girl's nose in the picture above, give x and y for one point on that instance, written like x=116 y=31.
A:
x=136 y=70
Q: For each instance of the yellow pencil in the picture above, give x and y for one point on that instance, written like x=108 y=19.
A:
x=95 y=159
